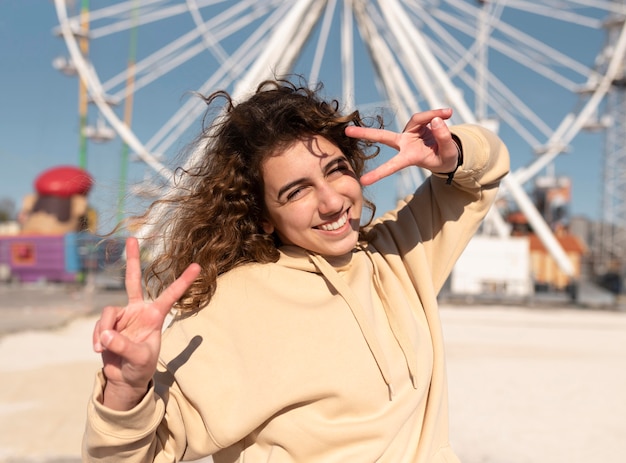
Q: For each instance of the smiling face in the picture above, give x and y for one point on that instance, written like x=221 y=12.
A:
x=312 y=197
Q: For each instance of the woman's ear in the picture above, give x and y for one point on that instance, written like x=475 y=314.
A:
x=267 y=226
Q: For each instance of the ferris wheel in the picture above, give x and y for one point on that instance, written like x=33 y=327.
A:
x=528 y=69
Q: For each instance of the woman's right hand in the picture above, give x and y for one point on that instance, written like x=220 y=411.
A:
x=129 y=338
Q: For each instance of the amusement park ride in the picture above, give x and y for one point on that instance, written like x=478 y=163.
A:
x=55 y=240
x=539 y=72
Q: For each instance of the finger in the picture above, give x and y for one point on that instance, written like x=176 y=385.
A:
x=386 y=137
x=134 y=289
x=109 y=317
x=390 y=138
x=447 y=152
x=107 y=321
x=173 y=292
x=384 y=170
x=425 y=117
x=95 y=338
x=137 y=354
x=118 y=344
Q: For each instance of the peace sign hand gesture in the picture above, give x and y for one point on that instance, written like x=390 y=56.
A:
x=129 y=338
x=425 y=142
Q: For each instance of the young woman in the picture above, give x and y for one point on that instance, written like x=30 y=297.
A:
x=302 y=333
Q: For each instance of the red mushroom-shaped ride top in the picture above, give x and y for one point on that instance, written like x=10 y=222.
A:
x=64 y=181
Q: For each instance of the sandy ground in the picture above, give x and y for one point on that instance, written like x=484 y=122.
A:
x=537 y=385
x=527 y=385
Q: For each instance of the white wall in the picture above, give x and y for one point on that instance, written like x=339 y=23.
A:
x=493 y=265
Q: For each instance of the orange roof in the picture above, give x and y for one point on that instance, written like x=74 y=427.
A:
x=570 y=243
x=517 y=217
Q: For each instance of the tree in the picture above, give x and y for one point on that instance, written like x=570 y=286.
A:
x=7 y=209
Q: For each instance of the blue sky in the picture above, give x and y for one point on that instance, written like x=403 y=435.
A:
x=39 y=117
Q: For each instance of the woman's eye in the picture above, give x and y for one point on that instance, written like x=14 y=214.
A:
x=294 y=194
x=344 y=167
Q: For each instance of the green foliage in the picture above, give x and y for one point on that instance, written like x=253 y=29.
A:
x=7 y=209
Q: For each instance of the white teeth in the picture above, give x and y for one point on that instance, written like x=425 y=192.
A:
x=335 y=225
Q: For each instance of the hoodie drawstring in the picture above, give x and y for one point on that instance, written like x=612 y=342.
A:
x=360 y=316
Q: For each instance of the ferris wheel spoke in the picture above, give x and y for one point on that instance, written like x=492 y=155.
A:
x=538 y=49
x=556 y=11
x=322 y=41
x=283 y=46
x=609 y=6
x=232 y=17
x=413 y=59
x=433 y=67
x=114 y=24
x=230 y=21
x=524 y=49
x=182 y=119
x=180 y=51
x=347 y=55
x=508 y=97
x=221 y=78
x=155 y=60
x=506 y=104
x=394 y=84
x=209 y=40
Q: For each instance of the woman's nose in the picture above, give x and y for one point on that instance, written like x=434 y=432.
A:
x=330 y=200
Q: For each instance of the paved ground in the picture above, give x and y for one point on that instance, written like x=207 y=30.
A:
x=527 y=385
x=48 y=306
x=537 y=385
x=38 y=347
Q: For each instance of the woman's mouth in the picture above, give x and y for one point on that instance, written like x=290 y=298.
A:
x=340 y=222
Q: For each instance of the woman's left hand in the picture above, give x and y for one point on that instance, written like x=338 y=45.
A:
x=425 y=142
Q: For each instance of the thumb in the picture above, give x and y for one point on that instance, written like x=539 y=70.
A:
x=137 y=354
x=114 y=342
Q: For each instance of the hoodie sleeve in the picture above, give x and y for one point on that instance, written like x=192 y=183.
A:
x=433 y=226
x=156 y=430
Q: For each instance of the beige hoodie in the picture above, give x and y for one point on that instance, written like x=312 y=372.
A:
x=313 y=359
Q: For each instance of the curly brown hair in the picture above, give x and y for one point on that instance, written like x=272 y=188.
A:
x=215 y=216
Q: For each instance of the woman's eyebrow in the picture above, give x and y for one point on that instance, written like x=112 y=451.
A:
x=333 y=162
